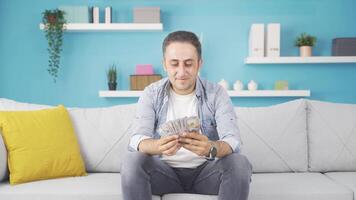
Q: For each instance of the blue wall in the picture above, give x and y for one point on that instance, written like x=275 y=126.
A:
x=224 y=24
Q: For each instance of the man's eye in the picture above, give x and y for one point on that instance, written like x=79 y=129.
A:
x=188 y=64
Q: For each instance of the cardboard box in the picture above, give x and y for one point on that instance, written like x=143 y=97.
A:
x=147 y=15
x=139 y=82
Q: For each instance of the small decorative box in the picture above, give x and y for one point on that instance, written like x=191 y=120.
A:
x=281 y=85
x=344 y=47
x=146 y=69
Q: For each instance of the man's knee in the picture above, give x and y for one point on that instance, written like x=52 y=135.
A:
x=134 y=161
x=239 y=165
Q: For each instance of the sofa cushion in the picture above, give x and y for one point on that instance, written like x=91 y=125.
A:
x=102 y=132
x=295 y=186
x=347 y=179
x=275 y=138
x=332 y=136
x=282 y=186
x=41 y=144
x=185 y=196
x=96 y=186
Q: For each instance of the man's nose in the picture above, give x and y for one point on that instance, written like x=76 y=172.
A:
x=181 y=70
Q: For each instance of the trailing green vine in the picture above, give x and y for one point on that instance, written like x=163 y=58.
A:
x=54 y=21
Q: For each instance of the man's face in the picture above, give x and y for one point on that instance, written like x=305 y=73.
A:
x=182 y=64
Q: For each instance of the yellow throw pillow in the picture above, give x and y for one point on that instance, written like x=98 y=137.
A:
x=41 y=145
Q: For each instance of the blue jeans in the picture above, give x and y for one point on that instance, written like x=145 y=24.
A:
x=143 y=175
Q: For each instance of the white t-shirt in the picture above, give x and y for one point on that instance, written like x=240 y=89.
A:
x=180 y=106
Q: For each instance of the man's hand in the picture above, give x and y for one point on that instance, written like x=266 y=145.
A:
x=200 y=144
x=195 y=142
x=168 y=145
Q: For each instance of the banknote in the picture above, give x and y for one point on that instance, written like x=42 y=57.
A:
x=178 y=126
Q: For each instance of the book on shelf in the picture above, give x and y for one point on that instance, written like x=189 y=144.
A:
x=96 y=15
x=108 y=14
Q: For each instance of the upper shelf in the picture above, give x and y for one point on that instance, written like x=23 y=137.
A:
x=111 y=27
x=243 y=93
x=300 y=60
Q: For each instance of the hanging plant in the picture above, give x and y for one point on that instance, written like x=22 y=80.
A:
x=54 y=21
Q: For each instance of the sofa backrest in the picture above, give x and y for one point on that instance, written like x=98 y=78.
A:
x=332 y=136
x=103 y=135
x=275 y=137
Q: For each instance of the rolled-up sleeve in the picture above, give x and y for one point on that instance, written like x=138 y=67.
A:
x=143 y=124
x=226 y=120
x=136 y=139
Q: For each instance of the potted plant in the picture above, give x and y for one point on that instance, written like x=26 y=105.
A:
x=305 y=43
x=54 y=21
x=112 y=77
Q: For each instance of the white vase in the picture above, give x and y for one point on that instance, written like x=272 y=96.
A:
x=238 y=85
x=224 y=84
x=252 y=85
x=305 y=51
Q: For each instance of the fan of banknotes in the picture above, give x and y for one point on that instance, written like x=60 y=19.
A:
x=178 y=126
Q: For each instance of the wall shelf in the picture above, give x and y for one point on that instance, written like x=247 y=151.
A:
x=111 y=27
x=243 y=93
x=300 y=60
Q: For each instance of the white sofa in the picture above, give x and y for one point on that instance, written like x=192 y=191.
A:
x=300 y=150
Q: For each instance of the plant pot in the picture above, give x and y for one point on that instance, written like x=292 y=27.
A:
x=305 y=51
x=112 y=86
x=52 y=19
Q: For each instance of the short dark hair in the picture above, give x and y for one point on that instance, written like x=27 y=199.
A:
x=182 y=36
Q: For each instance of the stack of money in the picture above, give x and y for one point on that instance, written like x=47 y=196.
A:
x=178 y=126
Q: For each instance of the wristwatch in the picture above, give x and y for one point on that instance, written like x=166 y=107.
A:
x=212 y=152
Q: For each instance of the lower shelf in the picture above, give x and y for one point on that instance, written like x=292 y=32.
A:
x=232 y=93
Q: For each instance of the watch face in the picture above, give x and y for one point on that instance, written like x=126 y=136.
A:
x=213 y=151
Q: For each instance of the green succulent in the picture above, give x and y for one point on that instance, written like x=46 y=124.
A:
x=305 y=40
x=112 y=74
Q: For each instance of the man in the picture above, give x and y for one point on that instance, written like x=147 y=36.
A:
x=185 y=163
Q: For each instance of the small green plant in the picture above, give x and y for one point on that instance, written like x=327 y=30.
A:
x=305 y=40
x=112 y=77
x=112 y=74
x=53 y=21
